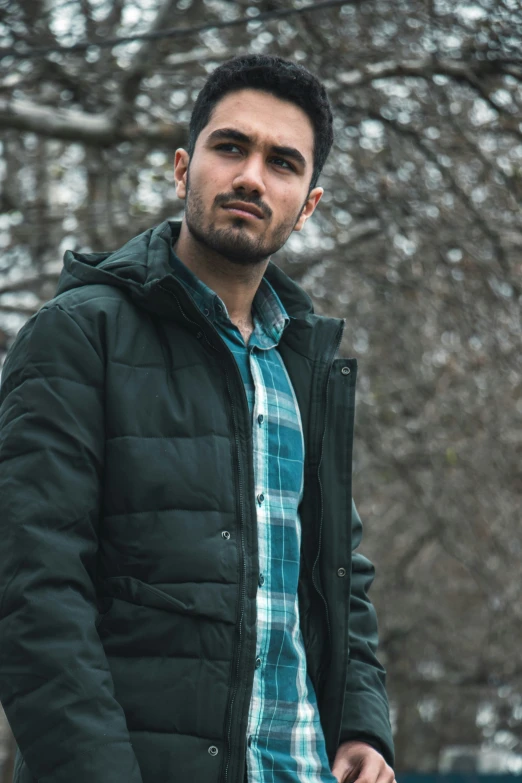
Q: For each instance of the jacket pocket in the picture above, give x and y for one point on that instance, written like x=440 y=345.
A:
x=127 y=588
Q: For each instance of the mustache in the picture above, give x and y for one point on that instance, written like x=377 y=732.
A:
x=228 y=198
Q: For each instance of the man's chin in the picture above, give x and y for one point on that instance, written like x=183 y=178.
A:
x=235 y=243
x=241 y=252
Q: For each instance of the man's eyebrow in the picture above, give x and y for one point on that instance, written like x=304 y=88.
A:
x=231 y=133
x=290 y=152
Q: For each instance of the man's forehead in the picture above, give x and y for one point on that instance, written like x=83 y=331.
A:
x=263 y=117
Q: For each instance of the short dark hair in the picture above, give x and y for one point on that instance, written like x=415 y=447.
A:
x=282 y=78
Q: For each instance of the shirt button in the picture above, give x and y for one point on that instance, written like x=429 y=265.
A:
x=258 y=663
x=260 y=498
x=341 y=572
x=260 y=418
x=249 y=742
x=345 y=370
x=261 y=580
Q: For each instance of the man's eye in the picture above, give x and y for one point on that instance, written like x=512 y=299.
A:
x=283 y=163
x=228 y=147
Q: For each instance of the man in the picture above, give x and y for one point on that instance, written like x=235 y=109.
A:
x=179 y=597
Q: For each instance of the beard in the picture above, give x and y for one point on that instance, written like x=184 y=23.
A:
x=235 y=243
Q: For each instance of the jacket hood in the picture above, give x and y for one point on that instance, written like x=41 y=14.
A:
x=143 y=263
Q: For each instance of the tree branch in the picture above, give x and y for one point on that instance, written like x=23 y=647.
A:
x=479 y=219
x=71 y=125
x=143 y=60
x=20 y=309
x=25 y=284
x=427 y=68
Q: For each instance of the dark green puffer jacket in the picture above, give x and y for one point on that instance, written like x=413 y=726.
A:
x=127 y=619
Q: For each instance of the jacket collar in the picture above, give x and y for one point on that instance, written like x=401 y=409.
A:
x=142 y=269
x=145 y=260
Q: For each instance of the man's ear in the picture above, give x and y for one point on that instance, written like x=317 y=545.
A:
x=181 y=164
x=310 y=204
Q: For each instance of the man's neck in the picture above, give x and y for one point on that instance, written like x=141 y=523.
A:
x=236 y=285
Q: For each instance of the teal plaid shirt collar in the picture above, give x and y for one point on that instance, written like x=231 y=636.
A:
x=269 y=315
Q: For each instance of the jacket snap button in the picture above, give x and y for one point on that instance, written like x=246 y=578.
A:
x=345 y=371
x=213 y=750
x=225 y=534
x=341 y=572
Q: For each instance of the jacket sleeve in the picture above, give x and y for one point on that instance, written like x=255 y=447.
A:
x=55 y=682
x=366 y=712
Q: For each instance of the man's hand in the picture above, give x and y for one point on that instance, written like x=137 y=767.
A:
x=357 y=761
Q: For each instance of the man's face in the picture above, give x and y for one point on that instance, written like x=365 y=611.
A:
x=247 y=186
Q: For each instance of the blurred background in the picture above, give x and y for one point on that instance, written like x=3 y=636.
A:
x=417 y=243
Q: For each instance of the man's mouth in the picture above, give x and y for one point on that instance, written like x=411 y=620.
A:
x=243 y=209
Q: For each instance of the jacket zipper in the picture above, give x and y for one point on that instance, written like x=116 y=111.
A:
x=316 y=562
x=242 y=597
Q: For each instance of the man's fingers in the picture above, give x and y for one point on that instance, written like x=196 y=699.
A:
x=358 y=762
x=343 y=774
x=366 y=771
x=344 y=770
x=387 y=775
x=371 y=769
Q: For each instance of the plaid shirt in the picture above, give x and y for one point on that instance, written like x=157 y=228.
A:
x=285 y=738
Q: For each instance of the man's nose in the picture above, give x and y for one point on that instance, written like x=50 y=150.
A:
x=250 y=176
